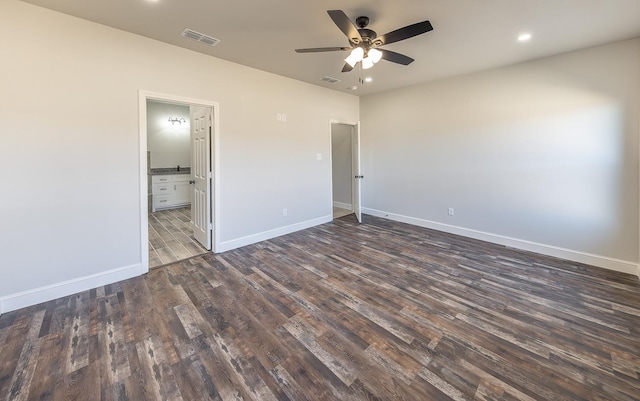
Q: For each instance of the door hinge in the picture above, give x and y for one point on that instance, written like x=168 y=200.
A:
x=359 y=176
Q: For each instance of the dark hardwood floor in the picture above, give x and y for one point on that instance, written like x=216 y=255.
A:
x=379 y=311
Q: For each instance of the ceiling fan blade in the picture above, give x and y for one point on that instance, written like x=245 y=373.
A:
x=396 y=57
x=322 y=49
x=346 y=26
x=407 y=32
x=347 y=67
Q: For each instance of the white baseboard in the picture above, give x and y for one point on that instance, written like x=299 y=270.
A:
x=342 y=205
x=263 y=236
x=562 y=253
x=35 y=296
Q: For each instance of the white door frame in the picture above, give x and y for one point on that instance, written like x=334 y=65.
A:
x=354 y=125
x=143 y=96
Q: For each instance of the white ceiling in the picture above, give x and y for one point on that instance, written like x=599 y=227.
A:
x=468 y=35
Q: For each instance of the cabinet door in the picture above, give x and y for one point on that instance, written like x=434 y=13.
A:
x=182 y=193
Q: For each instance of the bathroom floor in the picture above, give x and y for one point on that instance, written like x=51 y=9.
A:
x=171 y=237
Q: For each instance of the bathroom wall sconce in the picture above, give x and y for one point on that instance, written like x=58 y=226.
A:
x=173 y=121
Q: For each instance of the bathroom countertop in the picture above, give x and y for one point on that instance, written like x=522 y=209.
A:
x=170 y=170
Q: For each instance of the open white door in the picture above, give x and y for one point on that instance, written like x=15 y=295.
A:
x=357 y=174
x=201 y=122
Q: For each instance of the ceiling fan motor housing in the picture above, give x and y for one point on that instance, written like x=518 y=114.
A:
x=367 y=34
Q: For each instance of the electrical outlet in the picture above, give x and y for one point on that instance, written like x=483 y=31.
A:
x=451 y=211
x=285 y=212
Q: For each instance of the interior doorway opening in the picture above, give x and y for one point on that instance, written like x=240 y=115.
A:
x=178 y=175
x=345 y=169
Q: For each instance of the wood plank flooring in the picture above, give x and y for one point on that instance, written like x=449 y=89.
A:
x=379 y=311
x=171 y=237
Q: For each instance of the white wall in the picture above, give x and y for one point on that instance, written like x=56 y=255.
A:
x=541 y=155
x=341 y=164
x=168 y=142
x=70 y=154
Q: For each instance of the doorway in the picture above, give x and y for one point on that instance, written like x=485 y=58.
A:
x=345 y=169
x=178 y=171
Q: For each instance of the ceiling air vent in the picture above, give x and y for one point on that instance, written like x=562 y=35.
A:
x=200 y=37
x=330 y=80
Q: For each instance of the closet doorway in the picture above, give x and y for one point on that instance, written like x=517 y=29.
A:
x=345 y=169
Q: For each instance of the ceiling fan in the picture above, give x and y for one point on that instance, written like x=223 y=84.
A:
x=365 y=42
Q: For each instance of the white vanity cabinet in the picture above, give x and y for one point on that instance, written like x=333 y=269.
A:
x=183 y=191
x=170 y=191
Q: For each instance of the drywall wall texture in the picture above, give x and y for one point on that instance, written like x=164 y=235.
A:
x=168 y=141
x=69 y=112
x=341 y=163
x=545 y=151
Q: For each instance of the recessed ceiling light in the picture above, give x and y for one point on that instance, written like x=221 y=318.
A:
x=353 y=88
x=368 y=79
x=524 y=37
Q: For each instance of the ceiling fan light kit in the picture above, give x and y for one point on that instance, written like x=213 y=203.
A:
x=373 y=56
x=355 y=57
x=364 y=42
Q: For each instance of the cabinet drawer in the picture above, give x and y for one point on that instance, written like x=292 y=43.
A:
x=160 y=189
x=162 y=201
x=158 y=179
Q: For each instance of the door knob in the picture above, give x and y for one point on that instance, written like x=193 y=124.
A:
x=192 y=181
